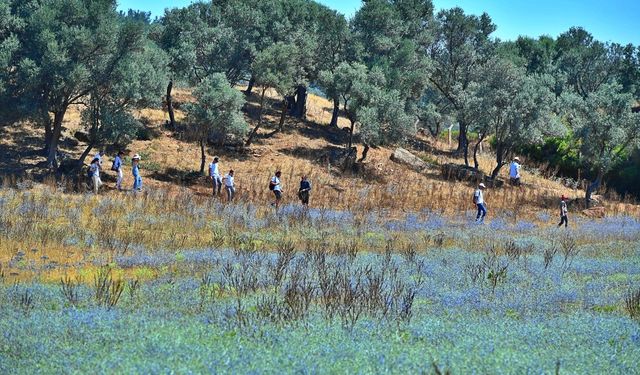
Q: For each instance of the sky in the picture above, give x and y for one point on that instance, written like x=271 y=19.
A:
x=609 y=21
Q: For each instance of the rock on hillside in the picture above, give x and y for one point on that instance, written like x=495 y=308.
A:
x=402 y=156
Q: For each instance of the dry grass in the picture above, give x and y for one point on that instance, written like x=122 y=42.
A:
x=381 y=185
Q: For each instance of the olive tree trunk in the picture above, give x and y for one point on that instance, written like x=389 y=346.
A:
x=283 y=115
x=172 y=117
x=56 y=131
x=255 y=130
x=593 y=186
x=300 y=104
x=252 y=82
x=463 y=142
x=335 y=113
x=203 y=156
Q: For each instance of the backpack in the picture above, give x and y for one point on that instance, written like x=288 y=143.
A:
x=114 y=167
x=271 y=185
x=89 y=172
x=475 y=198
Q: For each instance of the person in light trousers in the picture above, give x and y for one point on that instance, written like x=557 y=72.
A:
x=135 y=170
x=229 y=185
x=117 y=167
x=95 y=175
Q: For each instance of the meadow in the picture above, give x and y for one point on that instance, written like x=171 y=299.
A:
x=170 y=281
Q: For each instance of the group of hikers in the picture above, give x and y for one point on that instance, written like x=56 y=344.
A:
x=275 y=185
x=93 y=172
x=217 y=181
x=514 y=179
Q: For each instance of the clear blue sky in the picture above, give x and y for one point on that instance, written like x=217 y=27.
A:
x=614 y=20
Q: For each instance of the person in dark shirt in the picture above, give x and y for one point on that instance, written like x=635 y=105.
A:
x=304 y=191
x=563 y=212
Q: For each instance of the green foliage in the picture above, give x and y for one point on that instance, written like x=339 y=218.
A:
x=379 y=112
x=199 y=43
x=275 y=67
x=217 y=111
x=605 y=124
x=9 y=42
x=461 y=44
x=69 y=50
x=137 y=83
x=585 y=61
x=513 y=108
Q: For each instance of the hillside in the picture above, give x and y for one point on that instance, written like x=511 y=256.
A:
x=305 y=147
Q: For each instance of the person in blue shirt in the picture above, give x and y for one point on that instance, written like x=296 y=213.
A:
x=304 y=191
x=137 y=179
x=117 y=167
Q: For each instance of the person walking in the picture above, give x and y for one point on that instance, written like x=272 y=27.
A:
x=514 y=171
x=135 y=170
x=214 y=174
x=99 y=156
x=563 y=212
x=276 y=187
x=95 y=174
x=229 y=185
x=304 y=191
x=478 y=199
x=117 y=167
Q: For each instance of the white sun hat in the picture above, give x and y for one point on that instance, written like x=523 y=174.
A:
x=135 y=157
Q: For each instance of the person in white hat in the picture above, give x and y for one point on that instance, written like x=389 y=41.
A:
x=214 y=174
x=514 y=172
x=478 y=199
x=137 y=179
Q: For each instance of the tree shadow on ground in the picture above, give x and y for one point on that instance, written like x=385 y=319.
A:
x=334 y=135
x=333 y=158
x=177 y=176
x=23 y=155
x=420 y=145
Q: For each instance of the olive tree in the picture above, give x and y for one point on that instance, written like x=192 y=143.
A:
x=68 y=49
x=276 y=68
x=137 y=82
x=216 y=113
x=368 y=103
x=513 y=108
x=607 y=127
x=461 y=44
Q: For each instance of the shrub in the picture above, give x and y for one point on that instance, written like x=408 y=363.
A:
x=69 y=289
x=632 y=303
x=107 y=289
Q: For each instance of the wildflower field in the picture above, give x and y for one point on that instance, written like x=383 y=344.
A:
x=169 y=282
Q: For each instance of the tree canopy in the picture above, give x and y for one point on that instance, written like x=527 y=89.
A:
x=394 y=66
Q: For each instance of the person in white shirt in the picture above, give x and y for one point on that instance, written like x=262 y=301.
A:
x=276 y=187
x=478 y=199
x=117 y=167
x=214 y=173
x=229 y=185
x=95 y=174
x=514 y=172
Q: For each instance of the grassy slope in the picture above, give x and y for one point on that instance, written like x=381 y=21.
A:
x=302 y=149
